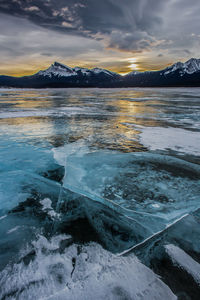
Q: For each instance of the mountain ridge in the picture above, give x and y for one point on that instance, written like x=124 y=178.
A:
x=60 y=75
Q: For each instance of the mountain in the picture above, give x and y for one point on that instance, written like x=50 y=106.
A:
x=59 y=75
x=189 y=67
x=179 y=74
x=61 y=70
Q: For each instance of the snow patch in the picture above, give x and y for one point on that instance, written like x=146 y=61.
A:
x=159 y=138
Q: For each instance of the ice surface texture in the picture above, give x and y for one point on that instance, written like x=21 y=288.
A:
x=160 y=186
x=64 y=194
x=80 y=274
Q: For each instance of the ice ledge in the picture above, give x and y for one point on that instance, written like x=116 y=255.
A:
x=184 y=261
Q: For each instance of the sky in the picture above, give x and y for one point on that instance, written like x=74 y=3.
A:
x=119 y=35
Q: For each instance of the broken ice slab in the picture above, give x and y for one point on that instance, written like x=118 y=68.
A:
x=29 y=158
x=152 y=189
x=28 y=203
x=184 y=233
x=184 y=261
x=174 y=254
x=87 y=220
x=17 y=186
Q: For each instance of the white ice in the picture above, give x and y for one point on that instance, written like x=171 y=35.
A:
x=178 y=139
x=46 y=203
x=183 y=260
x=97 y=274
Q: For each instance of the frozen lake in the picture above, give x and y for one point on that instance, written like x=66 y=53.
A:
x=82 y=169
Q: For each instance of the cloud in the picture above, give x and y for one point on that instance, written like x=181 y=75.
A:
x=31 y=8
x=27 y=48
x=67 y=24
x=73 y=29
x=124 y=25
x=128 y=25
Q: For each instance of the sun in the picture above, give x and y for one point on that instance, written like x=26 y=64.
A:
x=133 y=66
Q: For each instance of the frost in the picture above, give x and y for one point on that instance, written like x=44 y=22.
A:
x=81 y=273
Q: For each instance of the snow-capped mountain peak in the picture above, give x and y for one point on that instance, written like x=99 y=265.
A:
x=99 y=70
x=60 y=70
x=57 y=69
x=59 y=65
x=189 y=67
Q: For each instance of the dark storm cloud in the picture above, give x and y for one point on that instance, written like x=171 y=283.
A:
x=125 y=25
x=20 y=38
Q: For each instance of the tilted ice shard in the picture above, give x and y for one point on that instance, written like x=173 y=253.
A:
x=184 y=261
x=99 y=222
x=127 y=197
x=138 y=183
x=174 y=254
